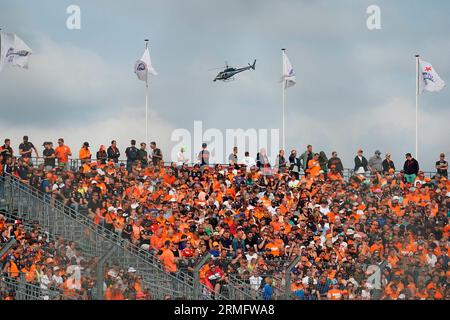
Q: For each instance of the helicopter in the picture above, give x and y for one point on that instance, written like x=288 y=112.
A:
x=229 y=72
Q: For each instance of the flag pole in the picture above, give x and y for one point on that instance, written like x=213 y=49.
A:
x=146 y=102
x=283 y=82
x=417 y=107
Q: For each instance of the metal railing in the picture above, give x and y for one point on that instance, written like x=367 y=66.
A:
x=28 y=204
x=18 y=288
x=347 y=173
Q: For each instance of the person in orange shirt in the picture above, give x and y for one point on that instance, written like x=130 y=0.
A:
x=335 y=293
x=168 y=258
x=156 y=240
x=63 y=153
x=85 y=154
x=314 y=166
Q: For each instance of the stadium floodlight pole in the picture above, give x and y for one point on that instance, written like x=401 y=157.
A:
x=146 y=102
x=417 y=106
x=283 y=88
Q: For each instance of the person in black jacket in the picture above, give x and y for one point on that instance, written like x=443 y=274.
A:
x=388 y=164
x=102 y=156
x=113 y=152
x=294 y=163
x=132 y=154
x=143 y=155
x=361 y=164
x=336 y=161
x=411 y=168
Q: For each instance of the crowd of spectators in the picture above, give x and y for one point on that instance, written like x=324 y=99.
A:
x=57 y=269
x=380 y=234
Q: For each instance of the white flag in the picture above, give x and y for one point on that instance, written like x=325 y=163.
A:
x=428 y=78
x=144 y=66
x=13 y=51
x=288 y=73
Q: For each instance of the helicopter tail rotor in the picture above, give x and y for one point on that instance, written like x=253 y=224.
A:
x=253 y=65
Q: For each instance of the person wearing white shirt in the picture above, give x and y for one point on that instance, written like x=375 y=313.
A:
x=255 y=281
x=57 y=278
x=249 y=161
x=324 y=208
x=181 y=157
x=431 y=259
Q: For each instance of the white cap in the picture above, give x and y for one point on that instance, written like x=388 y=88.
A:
x=131 y=269
x=101 y=172
x=395 y=198
x=94 y=182
x=111 y=209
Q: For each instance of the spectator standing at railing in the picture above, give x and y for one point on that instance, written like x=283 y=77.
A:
x=203 y=156
x=6 y=151
x=233 y=157
x=280 y=162
x=375 y=162
x=442 y=166
x=157 y=157
x=142 y=155
x=113 y=152
x=132 y=154
x=85 y=154
x=361 y=164
x=26 y=148
x=336 y=161
x=262 y=161
x=323 y=161
x=181 y=157
x=49 y=156
x=102 y=155
x=411 y=168
x=248 y=161
x=294 y=163
x=63 y=153
x=388 y=164
x=306 y=156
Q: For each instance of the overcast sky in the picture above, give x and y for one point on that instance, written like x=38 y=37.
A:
x=355 y=87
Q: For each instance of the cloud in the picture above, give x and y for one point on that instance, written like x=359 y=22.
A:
x=122 y=127
x=355 y=86
x=389 y=127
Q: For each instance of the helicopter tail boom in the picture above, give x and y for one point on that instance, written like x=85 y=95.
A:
x=253 y=65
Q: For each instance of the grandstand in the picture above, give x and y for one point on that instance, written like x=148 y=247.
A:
x=318 y=238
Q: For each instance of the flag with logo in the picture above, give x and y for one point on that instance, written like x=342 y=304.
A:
x=144 y=66
x=288 y=73
x=13 y=51
x=428 y=78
